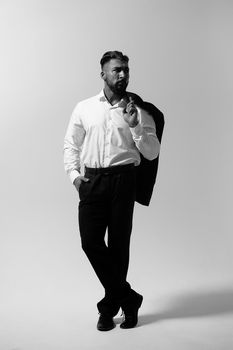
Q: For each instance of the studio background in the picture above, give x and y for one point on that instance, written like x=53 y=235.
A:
x=181 y=56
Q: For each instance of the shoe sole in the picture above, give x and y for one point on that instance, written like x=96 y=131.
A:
x=106 y=329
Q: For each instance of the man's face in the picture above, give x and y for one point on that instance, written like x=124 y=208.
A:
x=115 y=73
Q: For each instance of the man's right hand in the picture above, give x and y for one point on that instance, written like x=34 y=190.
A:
x=78 y=181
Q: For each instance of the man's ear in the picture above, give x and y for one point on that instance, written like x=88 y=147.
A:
x=103 y=75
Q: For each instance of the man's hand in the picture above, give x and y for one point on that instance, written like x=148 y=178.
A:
x=78 y=181
x=130 y=113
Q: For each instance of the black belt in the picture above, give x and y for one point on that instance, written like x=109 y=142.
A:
x=110 y=170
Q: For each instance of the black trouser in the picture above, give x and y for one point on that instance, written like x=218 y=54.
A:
x=107 y=202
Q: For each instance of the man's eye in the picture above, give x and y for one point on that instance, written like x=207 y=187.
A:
x=118 y=70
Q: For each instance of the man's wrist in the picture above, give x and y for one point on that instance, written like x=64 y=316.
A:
x=73 y=175
x=137 y=131
x=75 y=180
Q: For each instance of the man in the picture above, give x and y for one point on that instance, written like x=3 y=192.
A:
x=107 y=135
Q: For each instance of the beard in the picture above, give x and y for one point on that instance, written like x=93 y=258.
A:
x=119 y=87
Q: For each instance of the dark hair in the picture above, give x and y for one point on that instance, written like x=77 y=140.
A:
x=111 y=55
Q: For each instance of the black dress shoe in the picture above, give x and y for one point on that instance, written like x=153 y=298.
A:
x=131 y=311
x=105 y=323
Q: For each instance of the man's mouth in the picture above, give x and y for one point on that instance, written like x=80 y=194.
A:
x=121 y=83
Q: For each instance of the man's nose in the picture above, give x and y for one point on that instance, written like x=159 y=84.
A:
x=122 y=74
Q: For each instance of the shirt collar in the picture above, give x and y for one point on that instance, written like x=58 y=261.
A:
x=102 y=98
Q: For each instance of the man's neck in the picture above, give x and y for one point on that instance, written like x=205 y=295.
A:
x=112 y=97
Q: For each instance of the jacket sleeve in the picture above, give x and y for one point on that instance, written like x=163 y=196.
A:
x=73 y=141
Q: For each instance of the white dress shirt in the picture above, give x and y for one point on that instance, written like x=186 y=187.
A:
x=98 y=136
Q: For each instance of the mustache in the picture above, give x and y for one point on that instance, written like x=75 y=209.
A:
x=122 y=81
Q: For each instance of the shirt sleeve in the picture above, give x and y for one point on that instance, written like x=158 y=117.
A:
x=144 y=135
x=73 y=144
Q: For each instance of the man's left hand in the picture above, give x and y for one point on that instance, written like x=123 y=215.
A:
x=130 y=114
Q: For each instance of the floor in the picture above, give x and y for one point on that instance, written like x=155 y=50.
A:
x=183 y=321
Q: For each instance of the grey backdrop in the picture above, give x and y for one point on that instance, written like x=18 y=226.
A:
x=181 y=56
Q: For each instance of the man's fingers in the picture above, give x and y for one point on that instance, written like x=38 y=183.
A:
x=78 y=181
x=83 y=178
x=131 y=99
x=131 y=103
x=131 y=108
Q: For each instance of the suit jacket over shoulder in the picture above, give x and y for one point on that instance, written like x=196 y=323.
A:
x=146 y=172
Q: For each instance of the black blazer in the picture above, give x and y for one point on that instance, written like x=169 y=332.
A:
x=146 y=172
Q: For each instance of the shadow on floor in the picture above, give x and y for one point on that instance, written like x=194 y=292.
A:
x=194 y=304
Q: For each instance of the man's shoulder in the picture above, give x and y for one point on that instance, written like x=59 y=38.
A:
x=87 y=102
x=148 y=106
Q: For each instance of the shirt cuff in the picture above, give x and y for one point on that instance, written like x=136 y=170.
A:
x=137 y=130
x=73 y=175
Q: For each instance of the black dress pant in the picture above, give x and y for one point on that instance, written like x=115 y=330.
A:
x=106 y=205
